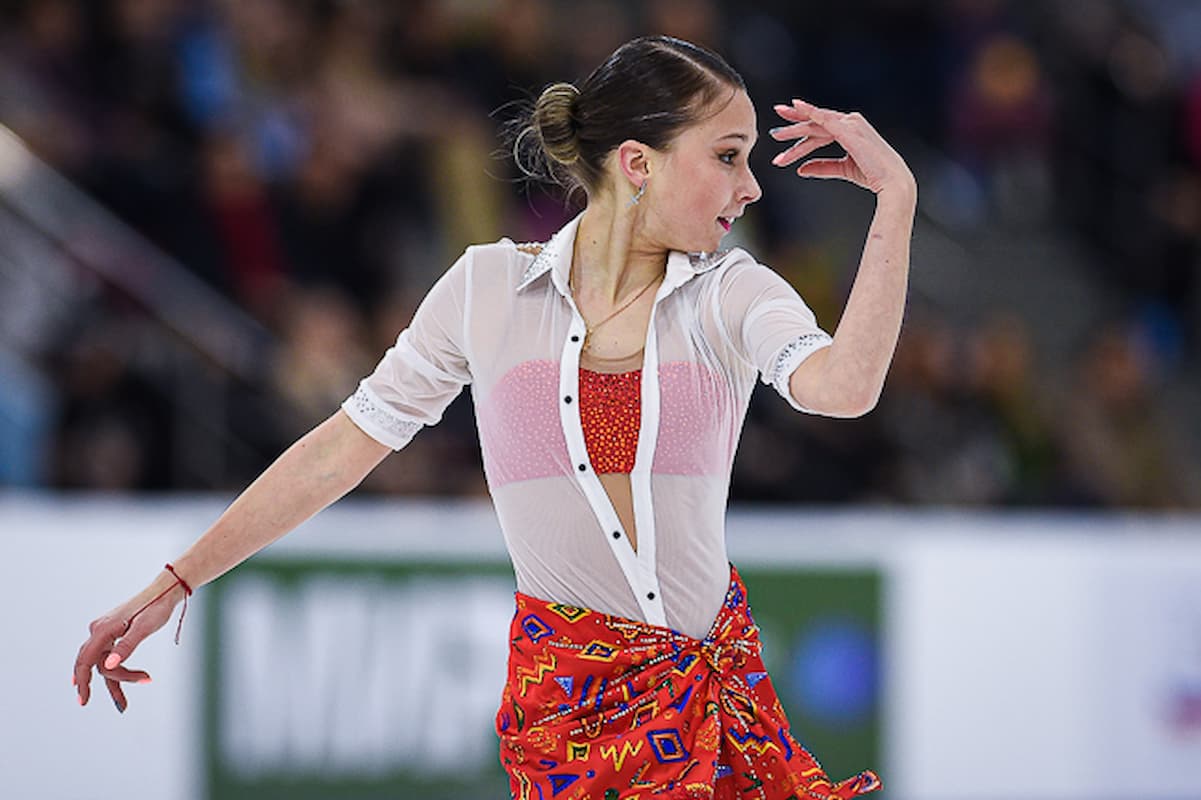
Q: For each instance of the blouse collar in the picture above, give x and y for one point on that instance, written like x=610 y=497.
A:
x=555 y=258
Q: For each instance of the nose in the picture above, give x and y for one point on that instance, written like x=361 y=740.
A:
x=750 y=189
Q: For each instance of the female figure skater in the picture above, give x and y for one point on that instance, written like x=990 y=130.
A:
x=611 y=369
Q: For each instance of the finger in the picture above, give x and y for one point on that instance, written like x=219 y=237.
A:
x=823 y=116
x=801 y=149
x=93 y=647
x=825 y=168
x=81 y=679
x=803 y=128
x=799 y=109
x=791 y=113
x=83 y=686
x=124 y=648
x=90 y=653
x=118 y=694
x=809 y=108
x=125 y=675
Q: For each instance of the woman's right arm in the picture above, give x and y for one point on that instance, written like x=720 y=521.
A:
x=314 y=472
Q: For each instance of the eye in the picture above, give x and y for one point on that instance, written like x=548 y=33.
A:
x=728 y=156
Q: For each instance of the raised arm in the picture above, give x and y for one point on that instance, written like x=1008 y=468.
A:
x=846 y=378
x=314 y=472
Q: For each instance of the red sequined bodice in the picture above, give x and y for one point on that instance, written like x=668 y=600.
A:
x=610 y=411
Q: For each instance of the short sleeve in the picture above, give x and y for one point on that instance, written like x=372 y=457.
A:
x=768 y=323
x=423 y=372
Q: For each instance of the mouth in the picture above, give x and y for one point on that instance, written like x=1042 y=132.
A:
x=725 y=222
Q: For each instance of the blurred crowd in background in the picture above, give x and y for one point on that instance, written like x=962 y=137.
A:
x=321 y=162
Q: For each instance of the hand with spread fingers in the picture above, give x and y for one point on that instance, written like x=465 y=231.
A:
x=869 y=162
x=113 y=638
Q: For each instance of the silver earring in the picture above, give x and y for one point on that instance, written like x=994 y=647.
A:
x=638 y=195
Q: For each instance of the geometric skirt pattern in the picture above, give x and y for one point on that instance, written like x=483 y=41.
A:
x=599 y=707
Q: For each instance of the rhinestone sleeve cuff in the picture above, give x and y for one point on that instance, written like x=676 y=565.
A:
x=789 y=358
x=377 y=420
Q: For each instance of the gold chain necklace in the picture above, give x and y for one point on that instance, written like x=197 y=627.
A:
x=588 y=329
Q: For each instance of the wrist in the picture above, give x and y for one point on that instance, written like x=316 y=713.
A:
x=901 y=193
x=181 y=580
x=165 y=586
x=168 y=586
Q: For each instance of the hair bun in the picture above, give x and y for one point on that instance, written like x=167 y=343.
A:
x=555 y=122
x=649 y=90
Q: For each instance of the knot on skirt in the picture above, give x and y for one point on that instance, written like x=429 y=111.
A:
x=727 y=654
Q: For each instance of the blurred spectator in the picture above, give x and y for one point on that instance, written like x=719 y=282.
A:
x=322 y=163
x=1000 y=126
x=27 y=410
x=692 y=20
x=942 y=455
x=113 y=425
x=1119 y=446
x=322 y=356
x=45 y=85
x=1001 y=377
x=243 y=221
x=1121 y=144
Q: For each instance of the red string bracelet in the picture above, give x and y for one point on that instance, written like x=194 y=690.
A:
x=178 y=582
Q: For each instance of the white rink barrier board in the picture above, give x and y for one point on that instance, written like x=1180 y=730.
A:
x=1025 y=657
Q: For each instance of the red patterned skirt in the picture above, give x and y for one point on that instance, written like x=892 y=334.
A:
x=599 y=707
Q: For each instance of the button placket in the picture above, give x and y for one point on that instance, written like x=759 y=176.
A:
x=638 y=567
x=650 y=596
x=586 y=477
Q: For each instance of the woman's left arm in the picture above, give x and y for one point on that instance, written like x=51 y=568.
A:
x=846 y=378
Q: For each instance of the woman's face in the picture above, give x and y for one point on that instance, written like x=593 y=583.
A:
x=702 y=183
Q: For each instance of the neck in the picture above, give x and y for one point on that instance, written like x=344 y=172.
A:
x=610 y=256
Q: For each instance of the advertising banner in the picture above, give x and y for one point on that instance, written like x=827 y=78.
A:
x=373 y=679
x=1145 y=673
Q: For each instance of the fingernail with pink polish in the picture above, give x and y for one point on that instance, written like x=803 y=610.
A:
x=113 y=660
x=144 y=680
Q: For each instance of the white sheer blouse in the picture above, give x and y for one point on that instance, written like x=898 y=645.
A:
x=502 y=319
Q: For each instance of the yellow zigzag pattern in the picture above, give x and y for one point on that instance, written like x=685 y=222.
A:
x=628 y=748
x=542 y=666
x=756 y=744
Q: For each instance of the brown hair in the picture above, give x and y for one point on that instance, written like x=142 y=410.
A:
x=649 y=89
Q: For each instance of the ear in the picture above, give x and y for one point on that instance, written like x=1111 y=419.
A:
x=634 y=162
